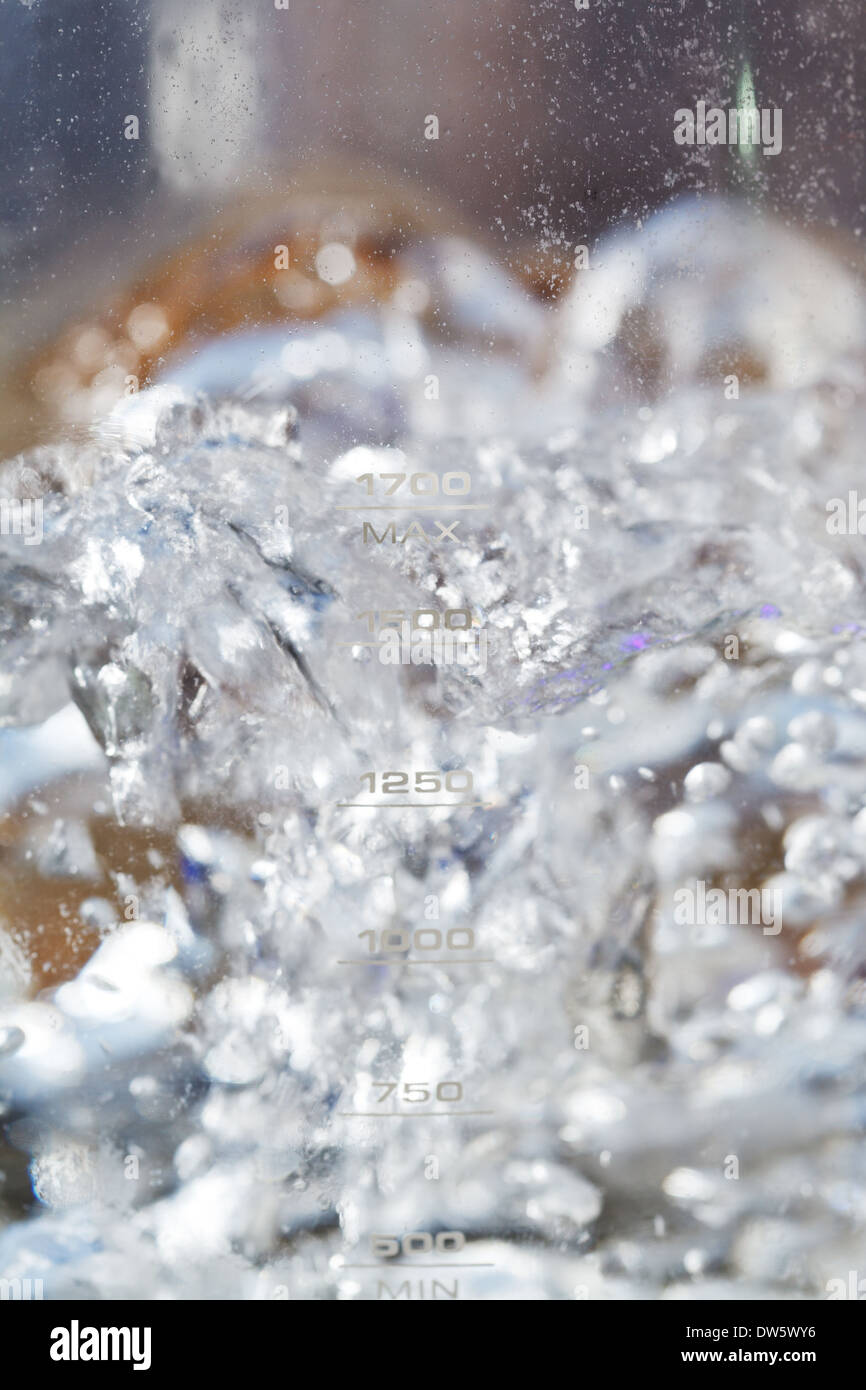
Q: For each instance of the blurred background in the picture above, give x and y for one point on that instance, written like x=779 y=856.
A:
x=555 y=123
x=549 y=114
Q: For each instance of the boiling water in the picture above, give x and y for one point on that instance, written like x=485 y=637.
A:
x=416 y=948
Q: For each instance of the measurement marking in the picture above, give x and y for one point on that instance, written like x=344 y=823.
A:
x=409 y=1114
x=410 y=507
x=437 y=960
x=404 y=805
x=481 y=1264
